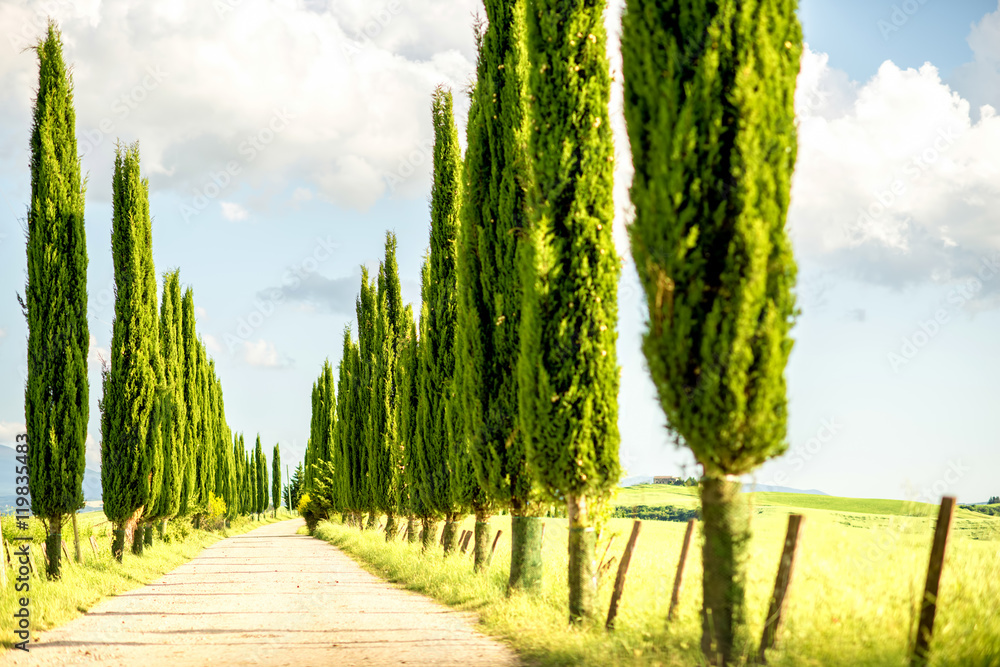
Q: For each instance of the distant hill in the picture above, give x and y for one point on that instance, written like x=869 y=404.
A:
x=648 y=479
x=91 y=478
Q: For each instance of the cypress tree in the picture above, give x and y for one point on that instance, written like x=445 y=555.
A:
x=56 y=403
x=205 y=456
x=174 y=416
x=384 y=458
x=445 y=467
x=240 y=472
x=494 y=213
x=276 y=479
x=350 y=428
x=367 y=314
x=568 y=368
x=406 y=425
x=192 y=406
x=152 y=475
x=260 y=478
x=712 y=128
x=129 y=390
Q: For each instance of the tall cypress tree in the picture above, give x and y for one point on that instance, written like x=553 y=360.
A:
x=367 y=314
x=56 y=403
x=205 y=447
x=192 y=404
x=406 y=425
x=494 y=213
x=174 y=416
x=568 y=369
x=383 y=454
x=260 y=476
x=130 y=383
x=152 y=475
x=276 y=479
x=343 y=430
x=444 y=464
x=712 y=128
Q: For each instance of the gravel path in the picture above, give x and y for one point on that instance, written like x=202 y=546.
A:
x=268 y=597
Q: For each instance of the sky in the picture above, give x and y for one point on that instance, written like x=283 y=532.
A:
x=282 y=138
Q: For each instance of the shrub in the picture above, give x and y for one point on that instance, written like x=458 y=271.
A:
x=312 y=511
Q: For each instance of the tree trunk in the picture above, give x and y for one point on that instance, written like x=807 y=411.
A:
x=390 y=527
x=582 y=568
x=411 y=529
x=371 y=520
x=147 y=534
x=137 y=540
x=118 y=546
x=76 y=540
x=53 y=546
x=525 y=552
x=726 y=526
x=162 y=528
x=450 y=536
x=482 y=536
x=429 y=535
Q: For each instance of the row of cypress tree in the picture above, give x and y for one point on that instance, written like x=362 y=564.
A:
x=165 y=445
x=506 y=397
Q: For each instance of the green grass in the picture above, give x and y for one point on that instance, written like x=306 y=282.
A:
x=852 y=601
x=53 y=603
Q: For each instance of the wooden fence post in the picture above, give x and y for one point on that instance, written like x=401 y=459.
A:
x=675 y=596
x=616 y=596
x=65 y=550
x=3 y=560
x=494 y=547
x=928 y=607
x=466 y=536
x=93 y=544
x=773 y=619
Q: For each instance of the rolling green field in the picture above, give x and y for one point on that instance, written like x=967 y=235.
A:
x=853 y=600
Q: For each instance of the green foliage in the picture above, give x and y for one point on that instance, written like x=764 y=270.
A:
x=130 y=384
x=215 y=513
x=494 y=216
x=260 y=478
x=992 y=509
x=406 y=421
x=349 y=427
x=293 y=491
x=709 y=95
x=366 y=309
x=443 y=464
x=276 y=478
x=192 y=403
x=568 y=370
x=56 y=404
x=655 y=513
x=174 y=412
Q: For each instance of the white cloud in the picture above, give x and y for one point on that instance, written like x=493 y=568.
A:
x=200 y=313
x=3 y=334
x=96 y=354
x=979 y=80
x=264 y=354
x=895 y=183
x=234 y=212
x=9 y=432
x=196 y=88
x=212 y=343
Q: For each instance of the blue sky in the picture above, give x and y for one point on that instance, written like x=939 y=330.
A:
x=282 y=139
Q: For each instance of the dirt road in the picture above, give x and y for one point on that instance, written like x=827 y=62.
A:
x=269 y=597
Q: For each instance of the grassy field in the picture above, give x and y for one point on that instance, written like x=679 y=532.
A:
x=853 y=600
x=84 y=585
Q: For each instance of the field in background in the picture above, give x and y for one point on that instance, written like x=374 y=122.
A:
x=853 y=599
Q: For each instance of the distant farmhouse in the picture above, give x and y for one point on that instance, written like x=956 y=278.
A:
x=668 y=480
